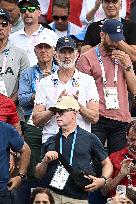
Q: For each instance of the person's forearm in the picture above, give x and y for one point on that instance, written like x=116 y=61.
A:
x=90 y=14
x=111 y=184
x=88 y=114
x=18 y=128
x=131 y=81
x=14 y=97
x=40 y=118
x=107 y=170
x=24 y=159
x=40 y=169
x=128 y=49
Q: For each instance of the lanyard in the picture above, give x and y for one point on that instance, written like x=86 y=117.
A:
x=72 y=147
x=68 y=30
x=102 y=67
x=6 y=53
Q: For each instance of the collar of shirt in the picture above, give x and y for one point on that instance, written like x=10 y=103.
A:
x=8 y=46
x=74 y=77
x=54 y=68
x=22 y=31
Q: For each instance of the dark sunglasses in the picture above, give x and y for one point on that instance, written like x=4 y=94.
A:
x=111 y=1
x=31 y=9
x=62 y=111
x=56 y=18
x=4 y=24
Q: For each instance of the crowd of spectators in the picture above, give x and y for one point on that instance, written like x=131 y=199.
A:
x=67 y=101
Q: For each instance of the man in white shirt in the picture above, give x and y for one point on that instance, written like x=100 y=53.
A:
x=92 y=11
x=26 y=37
x=61 y=24
x=66 y=81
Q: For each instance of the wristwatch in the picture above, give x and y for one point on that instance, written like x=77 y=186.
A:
x=105 y=178
x=128 y=68
x=22 y=176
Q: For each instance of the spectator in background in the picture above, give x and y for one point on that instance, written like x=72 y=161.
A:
x=111 y=9
x=73 y=17
x=26 y=37
x=68 y=81
x=92 y=11
x=124 y=172
x=12 y=8
x=77 y=147
x=42 y=195
x=113 y=72
x=60 y=15
x=8 y=112
x=29 y=79
x=9 y=138
x=12 y=61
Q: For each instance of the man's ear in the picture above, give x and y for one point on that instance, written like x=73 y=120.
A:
x=102 y=35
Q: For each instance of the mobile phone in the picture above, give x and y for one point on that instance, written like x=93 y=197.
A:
x=121 y=189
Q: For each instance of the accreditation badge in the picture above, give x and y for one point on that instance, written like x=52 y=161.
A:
x=59 y=178
x=111 y=98
x=3 y=88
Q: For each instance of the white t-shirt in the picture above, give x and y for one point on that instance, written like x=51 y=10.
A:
x=72 y=30
x=87 y=5
x=22 y=40
x=51 y=87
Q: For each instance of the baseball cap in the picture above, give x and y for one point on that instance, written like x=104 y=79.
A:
x=33 y=2
x=114 y=29
x=66 y=103
x=45 y=39
x=4 y=14
x=65 y=42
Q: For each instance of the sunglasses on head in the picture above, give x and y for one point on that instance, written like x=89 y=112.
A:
x=111 y=1
x=31 y=9
x=4 y=24
x=56 y=18
x=62 y=111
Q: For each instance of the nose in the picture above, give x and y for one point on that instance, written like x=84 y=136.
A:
x=59 y=21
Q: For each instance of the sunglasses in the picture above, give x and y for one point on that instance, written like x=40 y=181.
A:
x=56 y=18
x=31 y=9
x=4 y=24
x=62 y=111
x=111 y=1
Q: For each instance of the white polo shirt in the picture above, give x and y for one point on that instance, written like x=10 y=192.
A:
x=51 y=87
x=22 y=40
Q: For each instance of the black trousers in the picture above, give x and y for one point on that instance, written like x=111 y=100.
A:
x=112 y=131
x=5 y=197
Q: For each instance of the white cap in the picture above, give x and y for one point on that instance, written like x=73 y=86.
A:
x=45 y=39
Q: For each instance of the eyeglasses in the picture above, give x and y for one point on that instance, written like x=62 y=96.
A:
x=56 y=18
x=111 y=1
x=31 y=9
x=4 y=24
x=62 y=111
